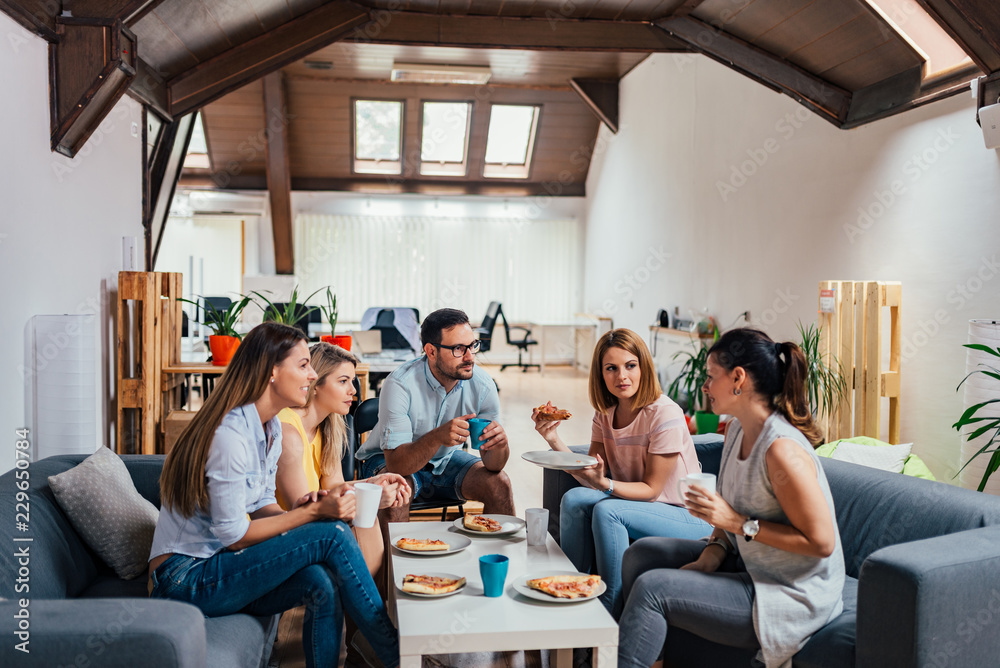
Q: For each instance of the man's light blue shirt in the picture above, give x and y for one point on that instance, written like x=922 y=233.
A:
x=412 y=403
x=242 y=463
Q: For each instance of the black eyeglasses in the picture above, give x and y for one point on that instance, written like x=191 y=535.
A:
x=460 y=349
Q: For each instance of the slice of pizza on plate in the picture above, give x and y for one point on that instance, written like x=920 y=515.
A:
x=422 y=544
x=482 y=523
x=431 y=584
x=567 y=586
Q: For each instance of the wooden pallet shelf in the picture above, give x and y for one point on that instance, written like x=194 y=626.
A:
x=853 y=335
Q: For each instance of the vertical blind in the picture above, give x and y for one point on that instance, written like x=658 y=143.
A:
x=531 y=267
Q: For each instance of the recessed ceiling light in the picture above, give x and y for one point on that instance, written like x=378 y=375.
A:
x=452 y=74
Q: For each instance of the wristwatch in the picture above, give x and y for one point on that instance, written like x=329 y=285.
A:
x=611 y=487
x=751 y=527
x=724 y=544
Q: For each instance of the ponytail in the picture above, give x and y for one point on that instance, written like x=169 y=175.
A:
x=779 y=372
x=793 y=400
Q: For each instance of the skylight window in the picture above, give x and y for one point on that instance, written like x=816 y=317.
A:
x=197 y=153
x=445 y=139
x=378 y=132
x=510 y=141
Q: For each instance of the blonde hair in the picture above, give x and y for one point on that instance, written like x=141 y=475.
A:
x=183 y=483
x=325 y=358
x=649 y=387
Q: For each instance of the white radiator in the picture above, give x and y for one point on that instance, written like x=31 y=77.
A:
x=60 y=384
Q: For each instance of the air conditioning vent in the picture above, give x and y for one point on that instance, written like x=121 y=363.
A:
x=319 y=65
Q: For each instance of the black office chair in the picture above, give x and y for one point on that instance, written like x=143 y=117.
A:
x=302 y=313
x=485 y=330
x=522 y=344
x=218 y=303
x=365 y=419
x=392 y=338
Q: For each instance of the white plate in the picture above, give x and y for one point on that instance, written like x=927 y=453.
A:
x=561 y=461
x=399 y=585
x=456 y=543
x=521 y=587
x=508 y=525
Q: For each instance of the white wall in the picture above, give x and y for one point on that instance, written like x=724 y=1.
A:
x=757 y=200
x=61 y=223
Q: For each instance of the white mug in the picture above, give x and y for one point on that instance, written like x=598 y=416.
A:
x=368 y=497
x=705 y=480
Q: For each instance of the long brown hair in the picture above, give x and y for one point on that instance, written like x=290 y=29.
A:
x=325 y=358
x=649 y=386
x=183 y=484
x=779 y=373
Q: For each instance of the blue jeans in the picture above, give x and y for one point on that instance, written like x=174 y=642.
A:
x=429 y=487
x=590 y=519
x=318 y=565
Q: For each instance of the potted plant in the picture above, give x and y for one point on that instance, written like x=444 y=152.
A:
x=330 y=314
x=825 y=380
x=686 y=387
x=980 y=424
x=225 y=339
x=290 y=313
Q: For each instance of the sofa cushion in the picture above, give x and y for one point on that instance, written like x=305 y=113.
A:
x=104 y=507
x=876 y=509
x=885 y=457
x=833 y=645
x=239 y=641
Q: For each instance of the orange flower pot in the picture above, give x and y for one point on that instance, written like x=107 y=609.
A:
x=223 y=348
x=344 y=341
x=327 y=338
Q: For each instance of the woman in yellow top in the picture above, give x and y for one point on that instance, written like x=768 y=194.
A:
x=313 y=438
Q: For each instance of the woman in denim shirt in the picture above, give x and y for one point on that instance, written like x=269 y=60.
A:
x=223 y=543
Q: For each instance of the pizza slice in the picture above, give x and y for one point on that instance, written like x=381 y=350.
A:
x=481 y=523
x=551 y=413
x=422 y=544
x=567 y=586
x=431 y=584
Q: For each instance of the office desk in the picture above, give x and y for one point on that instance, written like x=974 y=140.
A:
x=583 y=337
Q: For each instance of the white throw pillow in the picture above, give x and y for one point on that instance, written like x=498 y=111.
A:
x=103 y=505
x=885 y=457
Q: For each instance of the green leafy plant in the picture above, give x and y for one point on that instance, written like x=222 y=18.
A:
x=330 y=311
x=222 y=322
x=291 y=312
x=983 y=424
x=825 y=380
x=686 y=387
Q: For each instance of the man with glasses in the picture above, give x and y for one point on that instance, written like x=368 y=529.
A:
x=423 y=414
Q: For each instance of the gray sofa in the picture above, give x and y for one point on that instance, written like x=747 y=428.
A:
x=923 y=567
x=82 y=614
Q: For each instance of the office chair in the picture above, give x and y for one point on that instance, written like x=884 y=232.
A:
x=521 y=343
x=485 y=330
x=365 y=419
x=392 y=338
x=302 y=312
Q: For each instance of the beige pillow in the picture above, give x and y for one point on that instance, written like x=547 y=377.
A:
x=886 y=457
x=103 y=505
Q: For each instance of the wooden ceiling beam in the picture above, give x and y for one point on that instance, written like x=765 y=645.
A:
x=279 y=173
x=383 y=186
x=150 y=88
x=827 y=100
x=974 y=25
x=126 y=10
x=37 y=16
x=493 y=32
x=271 y=51
x=601 y=97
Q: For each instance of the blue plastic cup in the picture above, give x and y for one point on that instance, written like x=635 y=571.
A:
x=476 y=428
x=493 y=570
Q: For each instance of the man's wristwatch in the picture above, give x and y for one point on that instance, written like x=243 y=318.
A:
x=611 y=487
x=751 y=527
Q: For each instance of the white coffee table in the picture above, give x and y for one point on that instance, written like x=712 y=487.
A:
x=471 y=622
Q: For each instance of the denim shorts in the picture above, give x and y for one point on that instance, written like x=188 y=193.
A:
x=427 y=486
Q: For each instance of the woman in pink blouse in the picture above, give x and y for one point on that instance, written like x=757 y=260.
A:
x=643 y=447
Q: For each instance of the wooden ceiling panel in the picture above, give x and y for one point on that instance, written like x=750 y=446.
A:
x=748 y=21
x=806 y=26
x=868 y=68
x=195 y=26
x=635 y=10
x=270 y=13
x=161 y=48
x=237 y=20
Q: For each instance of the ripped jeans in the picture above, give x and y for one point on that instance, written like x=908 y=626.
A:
x=318 y=565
